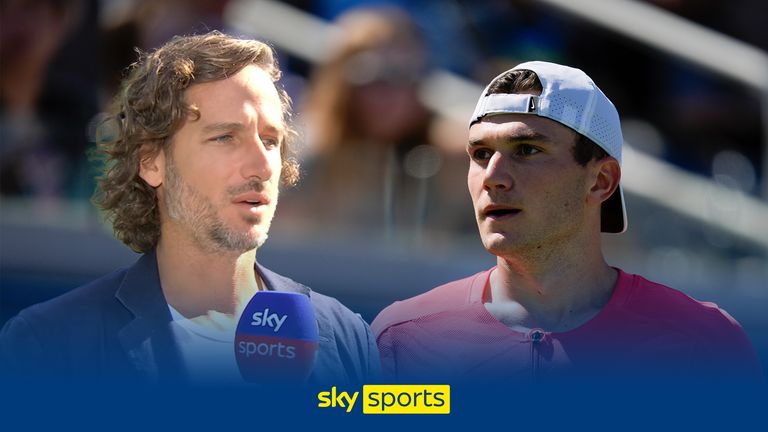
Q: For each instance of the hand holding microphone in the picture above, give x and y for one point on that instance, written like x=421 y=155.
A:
x=276 y=338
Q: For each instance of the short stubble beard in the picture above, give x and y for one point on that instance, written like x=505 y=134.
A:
x=197 y=214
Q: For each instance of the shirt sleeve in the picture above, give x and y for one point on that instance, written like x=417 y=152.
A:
x=386 y=347
x=734 y=353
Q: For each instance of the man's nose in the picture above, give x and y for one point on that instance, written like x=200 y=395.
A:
x=256 y=161
x=498 y=173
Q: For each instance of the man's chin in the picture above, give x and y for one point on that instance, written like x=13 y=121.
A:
x=239 y=241
x=260 y=240
x=498 y=244
x=253 y=239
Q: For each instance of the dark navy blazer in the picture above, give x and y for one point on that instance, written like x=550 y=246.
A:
x=118 y=328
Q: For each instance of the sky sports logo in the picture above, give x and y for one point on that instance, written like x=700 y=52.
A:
x=276 y=338
x=264 y=318
x=391 y=399
x=274 y=321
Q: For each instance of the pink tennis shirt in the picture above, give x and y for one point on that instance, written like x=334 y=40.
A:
x=645 y=330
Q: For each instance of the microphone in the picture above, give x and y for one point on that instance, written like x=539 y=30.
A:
x=276 y=338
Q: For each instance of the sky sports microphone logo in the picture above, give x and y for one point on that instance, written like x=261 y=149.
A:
x=271 y=320
x=391 y=399
x=276 y=338
x=274 y=321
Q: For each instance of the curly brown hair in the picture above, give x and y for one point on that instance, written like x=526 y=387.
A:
x=150 y=109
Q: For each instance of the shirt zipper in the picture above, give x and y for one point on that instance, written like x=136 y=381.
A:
x=536 y=336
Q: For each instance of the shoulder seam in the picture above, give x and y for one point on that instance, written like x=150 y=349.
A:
x=391 y=321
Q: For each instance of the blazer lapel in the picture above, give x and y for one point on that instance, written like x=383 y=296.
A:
x=147 y=339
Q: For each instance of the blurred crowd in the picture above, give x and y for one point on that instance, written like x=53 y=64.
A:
x=375 y=158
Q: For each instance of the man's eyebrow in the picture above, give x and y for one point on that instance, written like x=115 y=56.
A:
x=527 y=136
x=513 y=139
x=236 y=126
x=278 y=130
x=222 y=127
x=474 y=142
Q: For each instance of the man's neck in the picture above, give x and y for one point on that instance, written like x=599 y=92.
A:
x=557 y=293
x=196 y=282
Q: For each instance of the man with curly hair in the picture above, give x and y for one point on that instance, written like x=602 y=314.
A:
x=196 y=148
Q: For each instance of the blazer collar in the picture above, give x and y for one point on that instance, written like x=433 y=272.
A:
x=276 y=282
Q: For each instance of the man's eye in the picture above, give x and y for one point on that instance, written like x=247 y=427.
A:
x=527 y=150
x=223 y=139
x=270 y=142
x=481 y=155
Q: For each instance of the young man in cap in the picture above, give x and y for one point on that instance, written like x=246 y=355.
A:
x=545 y=153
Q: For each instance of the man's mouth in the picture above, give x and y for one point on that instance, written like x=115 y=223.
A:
x=252 y=199
x=499 y=212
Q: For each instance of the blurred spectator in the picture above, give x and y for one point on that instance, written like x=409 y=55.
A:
x=440 y=22
x=49 y=93
x=378 y=159
x=147 y=24
x=509 y=32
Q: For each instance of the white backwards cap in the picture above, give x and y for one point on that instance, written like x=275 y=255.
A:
x=571 y=98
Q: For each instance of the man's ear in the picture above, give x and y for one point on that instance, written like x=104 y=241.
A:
x=152 y=166
x=606 y=181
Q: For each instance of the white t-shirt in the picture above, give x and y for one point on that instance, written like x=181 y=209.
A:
x=208 y=351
